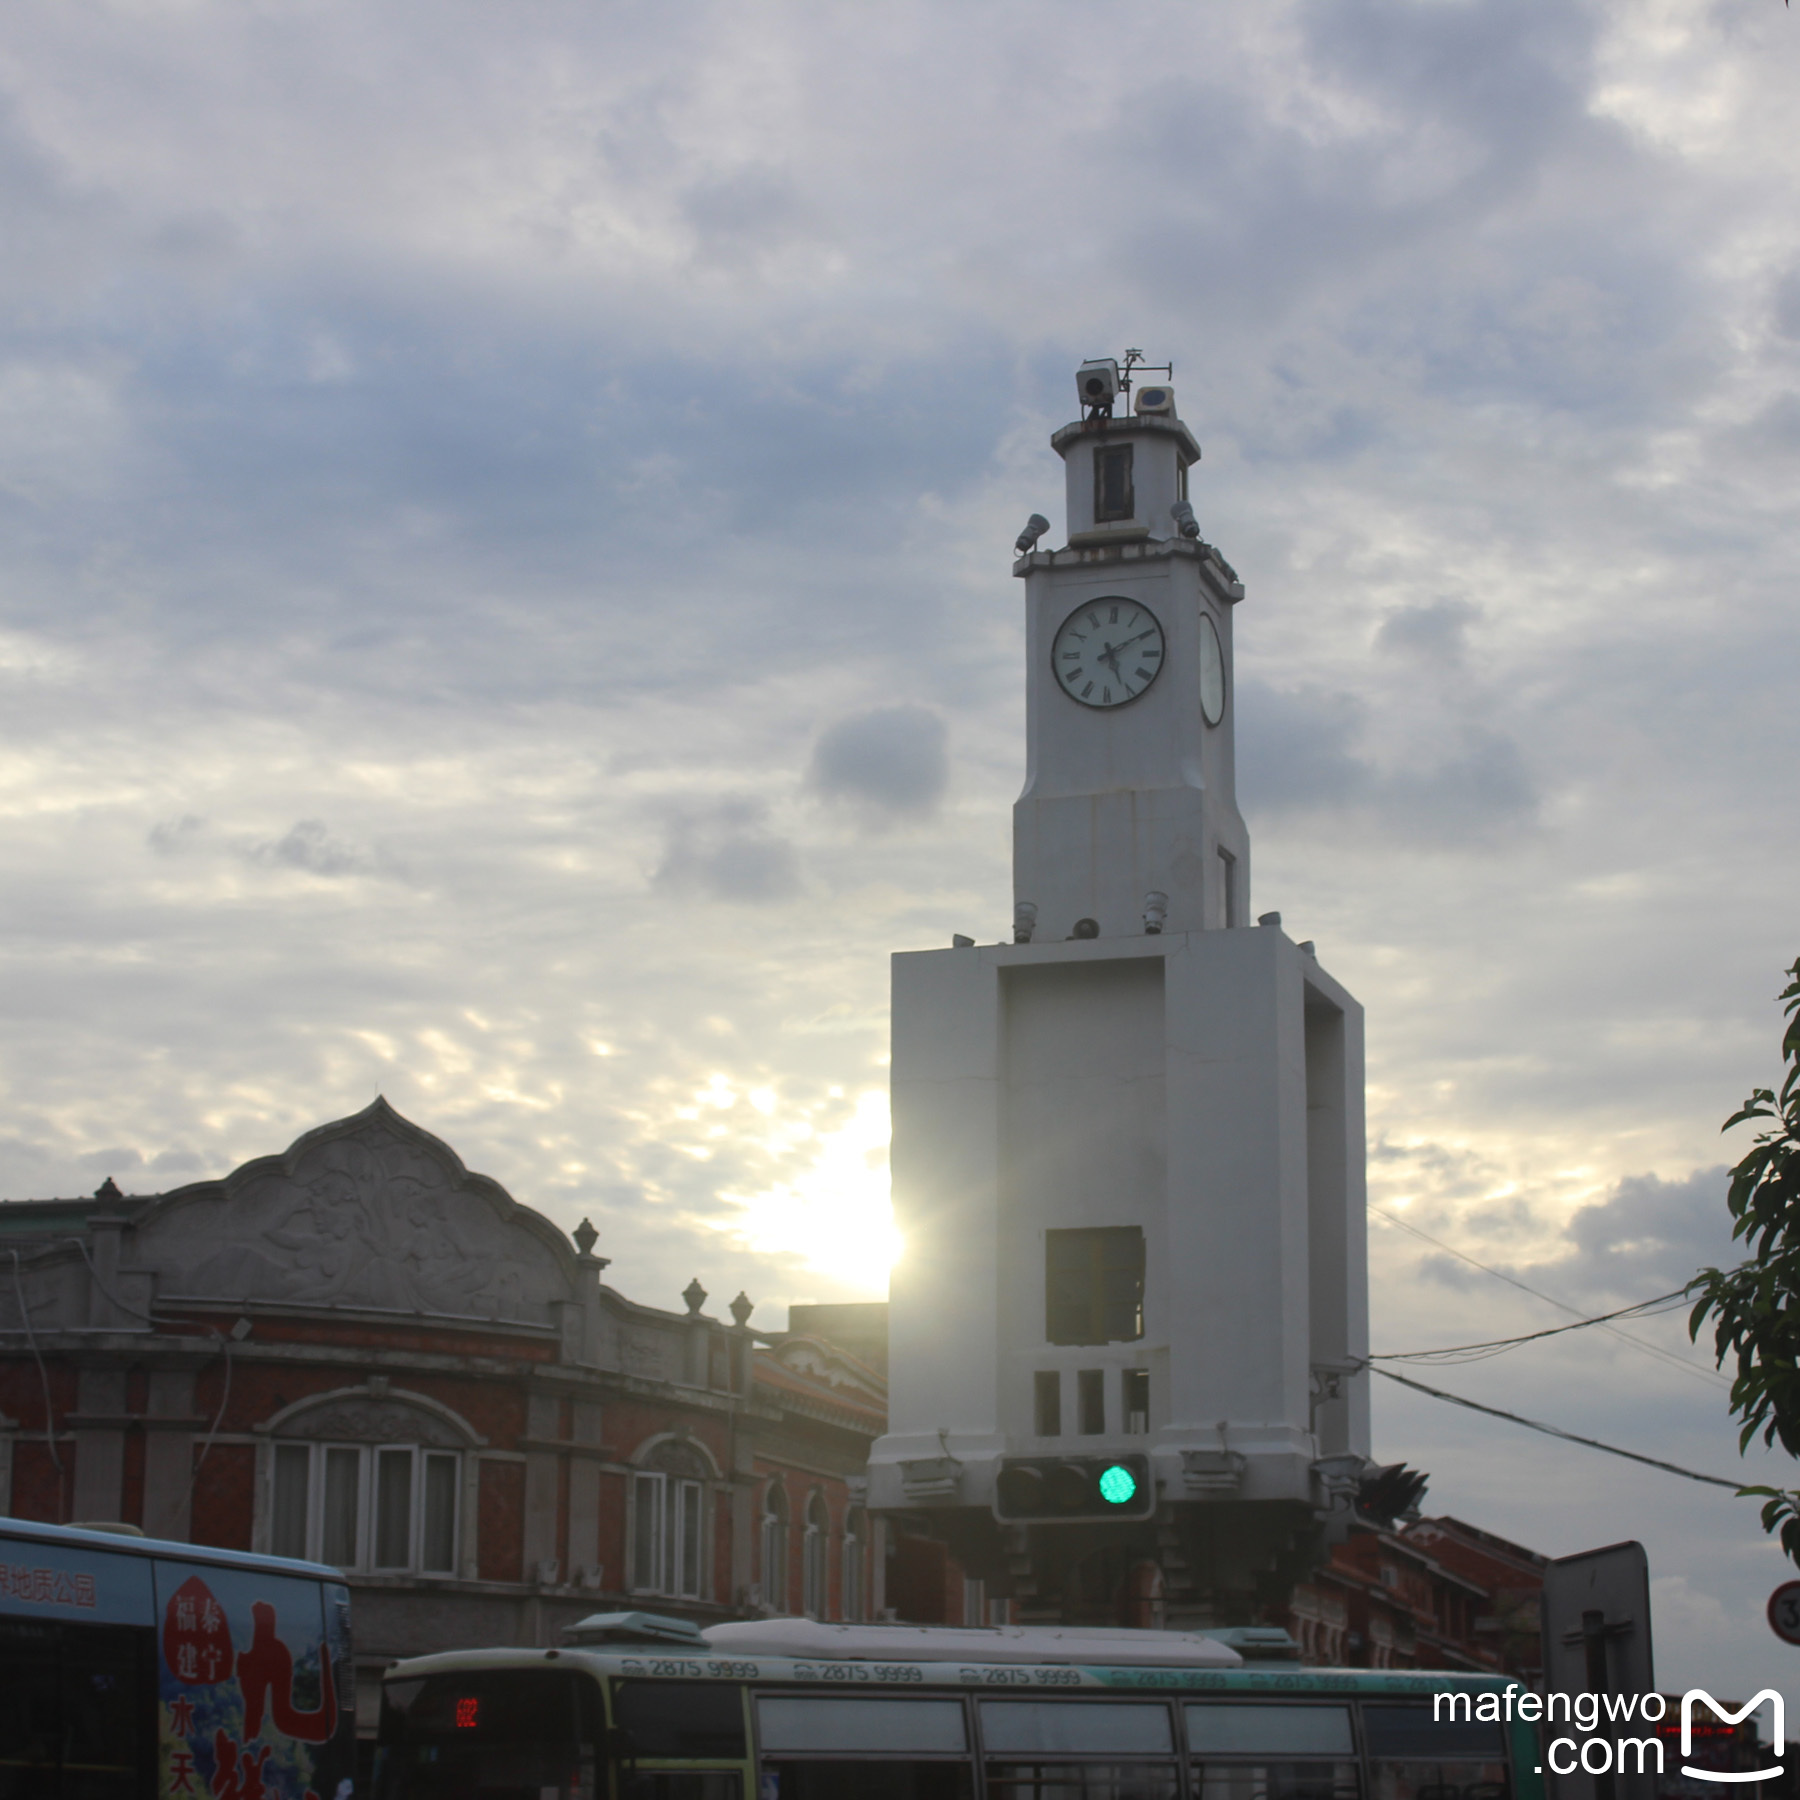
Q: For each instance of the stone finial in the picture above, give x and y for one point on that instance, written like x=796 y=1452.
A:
x=586 y=1237
x=695 y=1296
x=741 y=1309
x=108 y=1190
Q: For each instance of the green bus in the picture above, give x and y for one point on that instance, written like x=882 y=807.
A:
x=642 y=1708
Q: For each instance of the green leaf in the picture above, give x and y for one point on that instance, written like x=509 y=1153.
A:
x=1755 y=1307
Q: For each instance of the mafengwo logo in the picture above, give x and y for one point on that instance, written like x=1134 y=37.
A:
x=1598 y=1751
x=1778 y=1733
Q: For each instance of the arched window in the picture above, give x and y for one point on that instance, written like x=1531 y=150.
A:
x=774 y=1547
x=668 y=1510
x=815 y=1559
x=855 y=1530
x=366 y=1482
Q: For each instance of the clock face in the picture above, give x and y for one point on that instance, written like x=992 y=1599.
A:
x=1107 y=651
x=1212 y=672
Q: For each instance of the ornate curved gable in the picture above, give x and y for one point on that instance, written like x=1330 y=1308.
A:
x=368 y=1212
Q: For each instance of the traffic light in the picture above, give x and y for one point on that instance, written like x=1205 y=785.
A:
x=1074 y=1489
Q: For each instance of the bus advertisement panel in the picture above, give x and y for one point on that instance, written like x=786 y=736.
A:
x=131 y=1668
x=247 y=1680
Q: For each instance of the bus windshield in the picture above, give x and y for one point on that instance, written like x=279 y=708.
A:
x=491 y=1734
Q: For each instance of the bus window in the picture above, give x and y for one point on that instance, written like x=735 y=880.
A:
x=500 y=1734
x=30 y=1707
x=75 y=1709
x=1253 y=1752
x=1085 y=1728
x=1413 y=1756
x=1270 y=1731
x=1276 y=1781
x=1013 y=1730
x=863 y=1748
x=871 y=1780
x=680 y=1784
x=793 y=1722
x=1439 y=1781
x=681 y=1718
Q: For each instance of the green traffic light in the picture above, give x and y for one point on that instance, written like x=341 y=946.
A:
x=1118 y=1486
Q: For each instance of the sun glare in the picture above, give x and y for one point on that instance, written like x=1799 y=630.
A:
x=835 y=1215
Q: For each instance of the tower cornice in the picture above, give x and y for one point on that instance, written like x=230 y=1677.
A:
x=1145 y=424
x=1220 y=576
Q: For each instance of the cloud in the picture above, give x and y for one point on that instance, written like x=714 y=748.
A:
x=311 y=848
x=889 y=765
x=1480 y=792
x=110 y=1162
x=728 y=852
x=1463 y=785
x=308 y=847
x=1648 y=1236
x=1434 y=632
x=1296 y=747
x=170 y=837
x=744 y=217
x=1784 y=298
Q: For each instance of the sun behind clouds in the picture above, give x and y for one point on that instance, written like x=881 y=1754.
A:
x=835 y=1216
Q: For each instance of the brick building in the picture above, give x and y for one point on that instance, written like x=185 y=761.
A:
x=1434 y=1594
x=359 y=1351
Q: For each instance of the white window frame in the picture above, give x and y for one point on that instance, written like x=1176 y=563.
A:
x=368 y=1464
x=662 y=1560
x=815 y=1558
x=775 y=1525
x=854 y=1601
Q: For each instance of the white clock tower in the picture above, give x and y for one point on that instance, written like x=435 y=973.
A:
x=1128 y=1157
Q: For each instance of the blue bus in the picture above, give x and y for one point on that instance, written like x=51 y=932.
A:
x=137 y=1670
x=642 y=1708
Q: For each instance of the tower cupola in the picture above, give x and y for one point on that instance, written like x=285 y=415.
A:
x=1127 y=477
x=1128 y=824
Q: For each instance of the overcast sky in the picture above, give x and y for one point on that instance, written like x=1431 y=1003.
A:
x=505 y=517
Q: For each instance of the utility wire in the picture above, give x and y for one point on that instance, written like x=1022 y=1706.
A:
x=62 y=1484
x=1556 y=1431
x=1711 y=1377
x=137 y=1312
x=1460 y=1353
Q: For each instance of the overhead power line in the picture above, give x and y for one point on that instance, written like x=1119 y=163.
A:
x=1556 y=1431
x=1460 y=1353
x=1710 y=1376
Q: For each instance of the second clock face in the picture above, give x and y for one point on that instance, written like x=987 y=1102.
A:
x=1107 y=652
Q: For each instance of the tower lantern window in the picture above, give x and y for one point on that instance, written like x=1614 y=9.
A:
x=1113 y=496
x=1094 y=1285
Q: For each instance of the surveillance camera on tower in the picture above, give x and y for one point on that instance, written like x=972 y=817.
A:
x=1098 y=385
x=1155 y=401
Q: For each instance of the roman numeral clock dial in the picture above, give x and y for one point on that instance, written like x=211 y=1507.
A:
x=1107 y=652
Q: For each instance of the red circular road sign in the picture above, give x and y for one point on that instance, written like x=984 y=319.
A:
x=1784 y=1612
